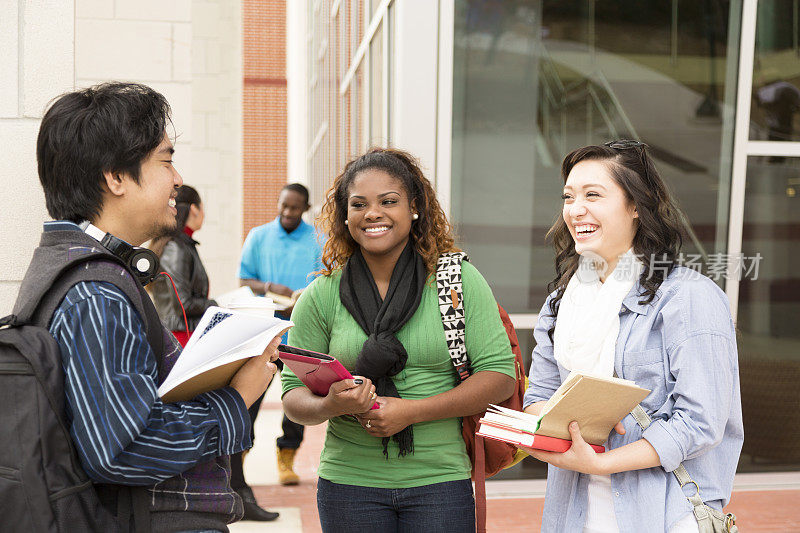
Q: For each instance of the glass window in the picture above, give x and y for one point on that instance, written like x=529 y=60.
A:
x=389 y=26
x=357 y=89
x=769 y=314
x=342 y=63
x=357 y=22
x=345 y=140
x=376 y=90
x=775 y=109
x=359 y=116
x=317 y=95
x=373 y=7
x=534 y=80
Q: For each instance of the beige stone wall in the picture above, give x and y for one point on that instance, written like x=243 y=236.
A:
x=216 y=152
x=190 y=50
x=36 y=64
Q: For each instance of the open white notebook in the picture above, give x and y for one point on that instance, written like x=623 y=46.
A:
x=222 y=342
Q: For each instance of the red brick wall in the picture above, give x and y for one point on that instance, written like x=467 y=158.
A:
x=264 y=109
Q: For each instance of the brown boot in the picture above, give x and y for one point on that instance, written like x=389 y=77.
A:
x=286 y=475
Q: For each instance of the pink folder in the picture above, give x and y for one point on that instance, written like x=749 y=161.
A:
x=317 y=370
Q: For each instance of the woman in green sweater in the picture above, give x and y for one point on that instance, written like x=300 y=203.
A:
x=402 y=467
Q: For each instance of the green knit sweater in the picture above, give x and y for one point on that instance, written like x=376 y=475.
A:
x=350 y=455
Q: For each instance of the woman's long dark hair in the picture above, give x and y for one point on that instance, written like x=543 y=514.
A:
x=187 y=196
x=659 y=228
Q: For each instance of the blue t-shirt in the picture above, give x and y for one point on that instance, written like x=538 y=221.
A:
x=272 y=254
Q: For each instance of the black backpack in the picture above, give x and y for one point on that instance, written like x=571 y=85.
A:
x=43 y=487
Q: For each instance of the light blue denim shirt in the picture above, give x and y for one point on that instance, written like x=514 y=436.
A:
x=682 y=347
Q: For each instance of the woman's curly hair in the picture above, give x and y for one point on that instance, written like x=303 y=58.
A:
x=431 y=234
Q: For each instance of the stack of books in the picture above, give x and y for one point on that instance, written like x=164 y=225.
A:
x=596 y=403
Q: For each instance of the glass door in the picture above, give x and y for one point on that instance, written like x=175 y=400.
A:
x=713 y=87
x=765 y=229
x=534 y=79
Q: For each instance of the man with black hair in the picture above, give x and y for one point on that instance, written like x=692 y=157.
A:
x=105 y=164
x=281 y=257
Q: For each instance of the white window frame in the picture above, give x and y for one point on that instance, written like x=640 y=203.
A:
x=743 y=147
x=327 y=49
x=363 y=48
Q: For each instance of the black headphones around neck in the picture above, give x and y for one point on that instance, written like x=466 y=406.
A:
x=143 y=263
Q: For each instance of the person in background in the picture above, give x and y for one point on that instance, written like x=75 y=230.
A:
x=621 y=306
x=404 y=466
x=780 y=101
x=281 y=257
x=177 y=251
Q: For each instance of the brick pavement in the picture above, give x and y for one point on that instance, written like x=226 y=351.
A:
x=762 y=502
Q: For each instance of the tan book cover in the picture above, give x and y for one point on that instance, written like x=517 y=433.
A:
x=596 y=403
x=212 y=379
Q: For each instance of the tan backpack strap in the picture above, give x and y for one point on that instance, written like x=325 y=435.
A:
x=480 y=485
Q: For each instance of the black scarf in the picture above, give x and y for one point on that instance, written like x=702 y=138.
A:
x=382 y=355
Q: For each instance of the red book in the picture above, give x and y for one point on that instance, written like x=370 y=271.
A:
x=317 y=371
x=501 y=432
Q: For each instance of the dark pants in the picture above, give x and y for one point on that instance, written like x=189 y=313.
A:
x=447 y=507
x=291 y=438
x=292 y=434
x=292 y=431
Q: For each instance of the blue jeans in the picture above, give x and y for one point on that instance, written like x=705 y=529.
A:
x=447 y=507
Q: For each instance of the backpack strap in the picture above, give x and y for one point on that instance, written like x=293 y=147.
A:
x=130 y=504
x=99 y=266
x=37 y=301
x=451 y=306
x=25 y=312
x=108 y=269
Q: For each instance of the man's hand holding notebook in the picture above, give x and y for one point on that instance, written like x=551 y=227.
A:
x=222 y=343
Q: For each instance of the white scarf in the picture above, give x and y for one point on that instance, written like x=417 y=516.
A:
x=587 y=323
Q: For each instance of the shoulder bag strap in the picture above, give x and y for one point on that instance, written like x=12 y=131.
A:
x=644 y=421
x=702 y=512
x=480 y=485
x=451 y=306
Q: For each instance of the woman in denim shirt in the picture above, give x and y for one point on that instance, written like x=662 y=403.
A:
x=641 y=317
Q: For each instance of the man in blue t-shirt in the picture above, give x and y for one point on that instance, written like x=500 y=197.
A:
x=281 y=257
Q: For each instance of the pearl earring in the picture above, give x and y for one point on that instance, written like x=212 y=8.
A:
x=415 y=216
x=346 y=222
